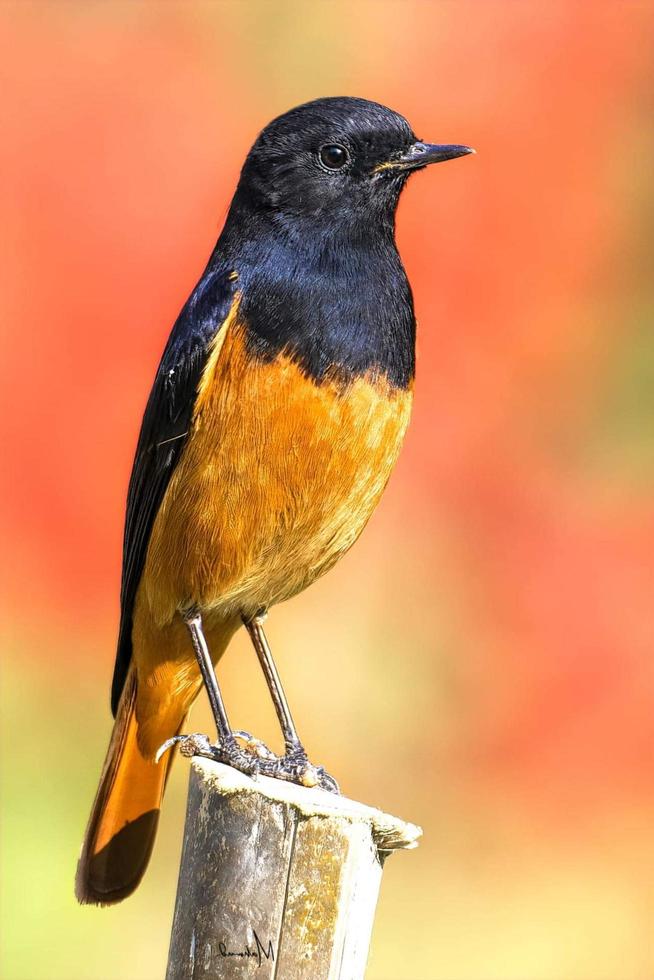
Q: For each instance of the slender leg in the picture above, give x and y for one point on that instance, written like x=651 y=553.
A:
x=260 y=644
x=194 y=625
x=227 y=750
x=294 y=765
x=255 y=757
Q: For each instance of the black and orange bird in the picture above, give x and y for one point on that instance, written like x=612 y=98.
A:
x=277 y=413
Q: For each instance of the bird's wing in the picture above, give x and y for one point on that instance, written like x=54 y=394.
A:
x=164 y=430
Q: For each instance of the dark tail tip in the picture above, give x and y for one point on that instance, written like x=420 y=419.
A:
x=115 y=871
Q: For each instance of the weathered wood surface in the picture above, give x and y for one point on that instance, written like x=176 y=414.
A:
x=277 y=881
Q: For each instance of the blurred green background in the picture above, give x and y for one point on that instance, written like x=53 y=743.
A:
x=482 y=662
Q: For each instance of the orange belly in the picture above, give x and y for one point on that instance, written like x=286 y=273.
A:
x=276 y=481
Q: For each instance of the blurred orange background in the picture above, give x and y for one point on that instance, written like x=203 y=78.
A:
x=482 y=661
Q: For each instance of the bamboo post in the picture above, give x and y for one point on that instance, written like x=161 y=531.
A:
x=277 y=881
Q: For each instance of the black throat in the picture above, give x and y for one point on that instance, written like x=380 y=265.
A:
x=329 y=292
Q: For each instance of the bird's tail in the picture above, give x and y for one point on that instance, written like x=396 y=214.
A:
x=123 y=822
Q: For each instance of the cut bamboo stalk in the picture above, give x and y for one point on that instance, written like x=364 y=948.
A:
x=276 y=880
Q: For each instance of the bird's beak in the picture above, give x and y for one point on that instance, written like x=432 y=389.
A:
x=422 y=154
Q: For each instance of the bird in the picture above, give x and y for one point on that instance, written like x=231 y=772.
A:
x=276 y=416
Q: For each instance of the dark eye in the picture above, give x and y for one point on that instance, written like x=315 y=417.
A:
x=333 y=156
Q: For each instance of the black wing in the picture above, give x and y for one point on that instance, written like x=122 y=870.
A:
x=164 y=431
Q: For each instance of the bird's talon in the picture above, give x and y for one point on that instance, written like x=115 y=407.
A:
x=328 y=782
x=189 y=745
x=168 y=744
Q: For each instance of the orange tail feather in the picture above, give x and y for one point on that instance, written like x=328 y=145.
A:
x=125 y=814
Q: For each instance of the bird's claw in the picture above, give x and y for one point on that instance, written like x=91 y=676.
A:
x=189 y=745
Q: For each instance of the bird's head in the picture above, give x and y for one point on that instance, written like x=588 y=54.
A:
x=335 y=160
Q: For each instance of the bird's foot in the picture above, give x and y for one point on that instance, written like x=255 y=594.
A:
x=295 y=767
x=246 y=758
x=254 y=757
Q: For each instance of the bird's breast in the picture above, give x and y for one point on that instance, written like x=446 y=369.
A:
x=276 y=481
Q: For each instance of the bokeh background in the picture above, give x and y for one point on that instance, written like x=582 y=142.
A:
x=482 y=662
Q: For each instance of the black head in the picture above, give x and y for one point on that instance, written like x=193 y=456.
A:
x=335 y=159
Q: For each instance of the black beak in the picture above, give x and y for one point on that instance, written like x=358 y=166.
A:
x=422 y=154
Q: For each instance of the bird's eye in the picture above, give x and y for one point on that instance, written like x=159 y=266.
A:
x=333 y=156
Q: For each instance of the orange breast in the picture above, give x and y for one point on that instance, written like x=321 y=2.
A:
x=276 y=482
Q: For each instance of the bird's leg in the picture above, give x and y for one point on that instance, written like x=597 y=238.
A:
x=193 y=622
x=260 y=643
x=294 y=765
x=255 y=757
x=227 y=750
